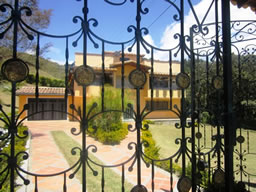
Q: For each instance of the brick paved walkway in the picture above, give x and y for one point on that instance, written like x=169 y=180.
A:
x=45 y=158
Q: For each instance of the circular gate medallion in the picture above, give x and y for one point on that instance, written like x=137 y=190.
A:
x=217 y=82
x=139 y=188
x=240 y=139
x=183 y=80
x=184 y=184
x=219 y=177
x=84 y=75
x=137 y=78
x=198 y=135
x=241 y=186
x=15 y=70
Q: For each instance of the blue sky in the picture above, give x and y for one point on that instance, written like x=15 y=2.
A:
x=113 y=22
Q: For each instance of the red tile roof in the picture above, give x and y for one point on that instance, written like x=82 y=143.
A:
x=42 y=91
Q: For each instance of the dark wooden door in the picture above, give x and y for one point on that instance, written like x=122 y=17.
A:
x=48 y=109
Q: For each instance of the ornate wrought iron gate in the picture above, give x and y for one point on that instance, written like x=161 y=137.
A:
x=206 y=114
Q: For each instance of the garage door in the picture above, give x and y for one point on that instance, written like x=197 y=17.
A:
x=50 y=109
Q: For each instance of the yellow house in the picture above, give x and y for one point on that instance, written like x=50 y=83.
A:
x=52 y=99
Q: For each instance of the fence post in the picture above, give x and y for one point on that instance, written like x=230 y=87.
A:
x=228 y=96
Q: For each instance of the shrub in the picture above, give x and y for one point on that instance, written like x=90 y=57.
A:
x=110 y=129
x=5 y=149
x=148 y=122
x=150 y=148
x=112 y=137
x=45 y=81
x=31 y=79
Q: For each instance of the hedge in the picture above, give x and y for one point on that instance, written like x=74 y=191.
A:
x=45 y=81
x=5 y=149
x=119 y=132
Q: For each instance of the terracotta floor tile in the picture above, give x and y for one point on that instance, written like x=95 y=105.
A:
x=45 y=157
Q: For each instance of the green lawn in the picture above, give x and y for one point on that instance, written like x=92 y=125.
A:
x=5 y=98
x=166 y=134
x=112 y=179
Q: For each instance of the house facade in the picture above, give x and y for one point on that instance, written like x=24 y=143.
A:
x=156 y=90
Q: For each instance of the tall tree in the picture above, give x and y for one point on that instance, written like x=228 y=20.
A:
x=39 y=20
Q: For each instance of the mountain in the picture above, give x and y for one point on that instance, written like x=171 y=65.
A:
x=47 y=68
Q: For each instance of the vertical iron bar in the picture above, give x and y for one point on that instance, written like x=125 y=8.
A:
x=138 y=33
x=66 y=75
x=209 y=169
x=219 y=146
x=102 y=180
x=85 y=31
x=13 y=127
x=205 y=136
x=198 y=91
x=103 y=76
x=15 y=28
x=36 y=188
x=249 y=181
x=241 y=157
x=217 y=46
x=182 y=43
x=84 y=119
x=13 y=130
x=170 y=76
x=207 y=81
x=123 y=178
x=37 y=71
x=171 y=176
x=138 y=127
x=228 y=98
x=248 y=148
x=217 y=51
x=152 y=80
x=122 y=78
x=138 y=117
x=182 y=47
x=193 y=108
x=84 y=150
x=65 y=183
x=153 y=176
x=211 y=137
x=84 y=126
x=198 y=140
x=239 y=72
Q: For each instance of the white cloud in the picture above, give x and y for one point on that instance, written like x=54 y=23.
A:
x=148 y=39
x=61 y=62
x=54 y=50
x=56 y=55
x=30 y=52
x=168 y=41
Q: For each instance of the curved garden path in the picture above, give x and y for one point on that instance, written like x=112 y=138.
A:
x=45 y=158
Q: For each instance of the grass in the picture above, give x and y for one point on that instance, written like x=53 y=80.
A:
x=5 y=101
x=112 y=179
x=166 y=141
x=167 y=145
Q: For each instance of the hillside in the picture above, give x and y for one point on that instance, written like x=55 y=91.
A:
x=47 y=68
